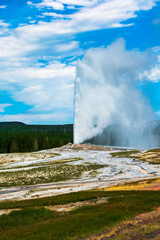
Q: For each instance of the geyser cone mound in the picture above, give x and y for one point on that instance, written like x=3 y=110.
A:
x=110 y=108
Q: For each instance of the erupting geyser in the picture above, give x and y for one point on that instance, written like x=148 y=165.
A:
x=110 y=108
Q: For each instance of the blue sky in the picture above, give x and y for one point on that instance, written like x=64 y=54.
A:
x=41 y=41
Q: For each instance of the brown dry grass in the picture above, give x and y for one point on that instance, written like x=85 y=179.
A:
x=151 y=156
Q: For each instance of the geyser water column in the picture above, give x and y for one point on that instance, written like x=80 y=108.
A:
x=109 y=105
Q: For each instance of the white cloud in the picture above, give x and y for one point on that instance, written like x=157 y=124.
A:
x=4 y=27
x=26 y=40
x=58 y=117
x=3 y=106
x=67 y=46
x=3 y=24
x=152 y=75
x=3 y=6
x=46 y=88
x=71 y=7
x=108 y=13
x=99 y=16
x=52 y=14
x=48 y=4
x=59 y=4
x=79 y=3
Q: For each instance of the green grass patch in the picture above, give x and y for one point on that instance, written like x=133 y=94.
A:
x=125 y=154
x=93 y=173
x=46 y=174
x=154 y=150
x=35 y=222
x=154 y=163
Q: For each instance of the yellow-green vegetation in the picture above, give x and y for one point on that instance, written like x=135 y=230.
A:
x=45 y=174
x=144 y=226
x=151 y=156
x=154 y=150
x=93 y=173
x=38 y=223
x=17 y=157
x=137 y=185
x=43 y=163
x=139 y=231
x=125 y=154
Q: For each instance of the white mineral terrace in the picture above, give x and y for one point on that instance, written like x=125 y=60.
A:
x=117 y=170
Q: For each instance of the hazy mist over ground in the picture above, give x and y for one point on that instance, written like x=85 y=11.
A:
x=107 y=93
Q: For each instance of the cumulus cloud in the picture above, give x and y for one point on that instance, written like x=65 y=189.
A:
x=107 y=94
x=153 y=75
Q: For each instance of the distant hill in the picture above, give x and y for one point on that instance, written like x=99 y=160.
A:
x=20 y=126
x=12 y=124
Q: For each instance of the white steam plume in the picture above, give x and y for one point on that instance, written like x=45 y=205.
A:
x=106 y=93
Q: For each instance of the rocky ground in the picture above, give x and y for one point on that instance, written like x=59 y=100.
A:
x=74 y=168
x=71 y=168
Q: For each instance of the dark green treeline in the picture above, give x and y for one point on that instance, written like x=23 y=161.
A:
x=20 y=137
